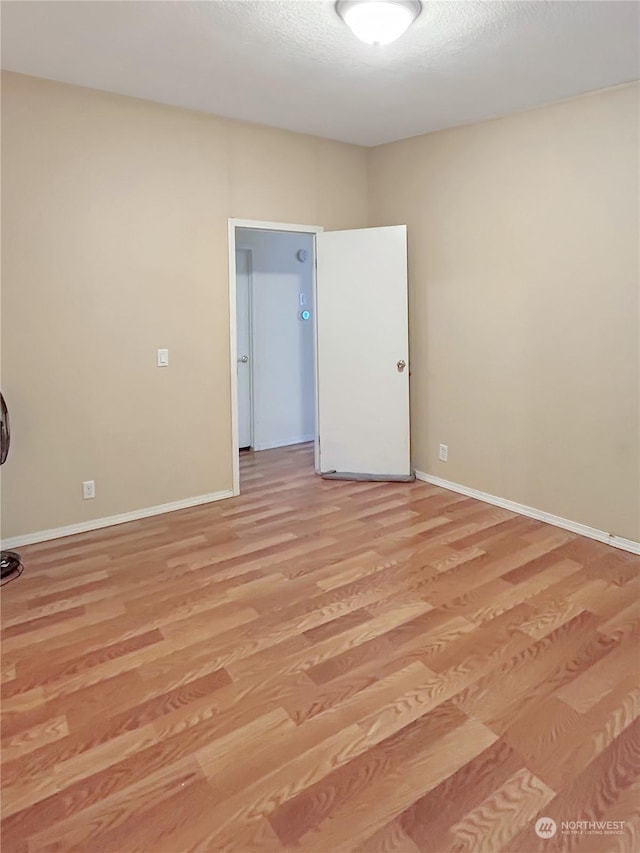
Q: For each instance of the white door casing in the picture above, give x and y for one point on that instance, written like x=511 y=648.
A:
x=363 y=352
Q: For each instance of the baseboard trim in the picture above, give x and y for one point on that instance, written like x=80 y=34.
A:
x=271 y=445
x=147 y=512
x=531 y=512
x=112 y=520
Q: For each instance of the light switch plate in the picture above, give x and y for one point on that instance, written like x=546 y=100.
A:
x=163 y=358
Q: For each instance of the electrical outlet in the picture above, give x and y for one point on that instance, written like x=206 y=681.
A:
x=443 y=453
x=88 y=489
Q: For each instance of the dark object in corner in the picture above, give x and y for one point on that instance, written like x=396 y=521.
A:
x=10 y=563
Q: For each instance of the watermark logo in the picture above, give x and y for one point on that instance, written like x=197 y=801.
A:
x=592 y=827
x=546 y=827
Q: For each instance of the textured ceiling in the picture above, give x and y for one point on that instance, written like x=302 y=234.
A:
x=295 y=65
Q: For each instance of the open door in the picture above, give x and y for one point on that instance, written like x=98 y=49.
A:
x=363 y=353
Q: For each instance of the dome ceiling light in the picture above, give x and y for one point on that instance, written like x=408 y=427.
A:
x=378 y=21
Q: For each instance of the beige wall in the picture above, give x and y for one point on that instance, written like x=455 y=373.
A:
x=114 y=243
x=524 y=316
x=524 y=285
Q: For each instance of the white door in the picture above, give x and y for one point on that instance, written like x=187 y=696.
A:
x=243 y=320
x=363 y=352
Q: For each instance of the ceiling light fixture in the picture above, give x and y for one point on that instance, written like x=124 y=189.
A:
x=378 y=21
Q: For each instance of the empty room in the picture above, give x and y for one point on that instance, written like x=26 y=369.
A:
x=320 y=426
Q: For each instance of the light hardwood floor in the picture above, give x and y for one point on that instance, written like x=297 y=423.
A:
x=321 y=666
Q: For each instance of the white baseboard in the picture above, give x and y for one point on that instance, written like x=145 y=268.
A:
x=147 y=512
x=271 y=445
x=531 y=512
x=111 y=520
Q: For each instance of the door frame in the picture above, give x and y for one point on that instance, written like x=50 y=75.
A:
x=233 y=331
x=249 y=253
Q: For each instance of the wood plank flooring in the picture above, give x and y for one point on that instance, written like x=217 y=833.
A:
x=321 y=666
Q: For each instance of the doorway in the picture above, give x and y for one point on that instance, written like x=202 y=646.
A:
x=358 y=326
x=274 y=352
